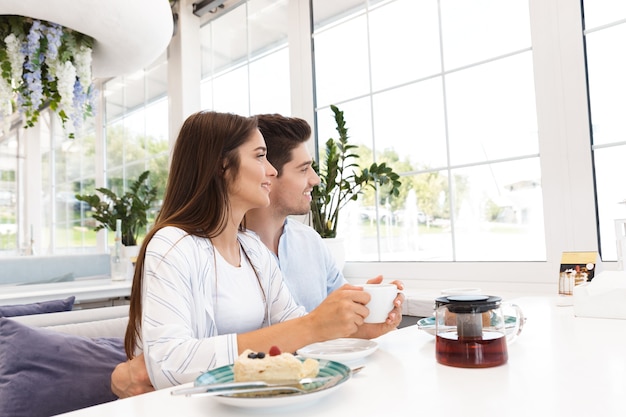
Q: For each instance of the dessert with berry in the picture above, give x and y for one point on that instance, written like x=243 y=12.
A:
x=273 y=366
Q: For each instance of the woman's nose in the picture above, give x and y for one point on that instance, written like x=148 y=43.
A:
x=271 y=171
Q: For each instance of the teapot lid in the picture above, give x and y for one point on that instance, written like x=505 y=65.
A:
x=469 y=303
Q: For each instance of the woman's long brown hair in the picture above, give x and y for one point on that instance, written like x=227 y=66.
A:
x=196 y=197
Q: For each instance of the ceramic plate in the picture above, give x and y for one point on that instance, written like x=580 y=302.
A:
x=270 y=400
x=428 y=324
x=345 y=349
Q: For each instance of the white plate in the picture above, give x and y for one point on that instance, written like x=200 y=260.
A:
x=225 y=374
x=345 y=349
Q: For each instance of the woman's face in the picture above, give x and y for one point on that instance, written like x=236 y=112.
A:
x=251 y=188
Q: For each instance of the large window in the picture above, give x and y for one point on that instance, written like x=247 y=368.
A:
x=481 y=105
x=245 y=59
x=136 y=130
x=9 y=192
x=66 y=165
x=444 y=92
x=605 y=36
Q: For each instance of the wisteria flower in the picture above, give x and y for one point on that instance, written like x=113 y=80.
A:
x=43 y=64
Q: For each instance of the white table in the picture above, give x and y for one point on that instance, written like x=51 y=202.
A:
x=85 y=290
x=560 y=365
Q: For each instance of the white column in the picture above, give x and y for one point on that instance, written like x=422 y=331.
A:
x=563 y=120
x=300 y=62
x=184 y=68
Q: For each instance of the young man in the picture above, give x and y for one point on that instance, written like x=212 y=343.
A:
x=306 y=264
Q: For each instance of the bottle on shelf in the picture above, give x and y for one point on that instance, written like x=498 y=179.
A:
x=118 y=264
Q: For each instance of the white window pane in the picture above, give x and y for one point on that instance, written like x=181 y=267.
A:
x=245 y=59
x=607 y=84
x=356 y=114
x=9 y=195
x=228 y=41
x=610 y=172
x=477 y=30
x=404 y=42
x=491 y=111
x=602 y=12
x=157 y=126
x=341 y=62
x=425 y=120
x=410 y=120
x=267 y=22
x=271 y=97
x=607 y=87
x=230 y=92
x=498 y=212
x=422 y=229
x=326 y=12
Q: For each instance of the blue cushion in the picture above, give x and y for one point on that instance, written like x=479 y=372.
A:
x=53 y=306
x=43 y=372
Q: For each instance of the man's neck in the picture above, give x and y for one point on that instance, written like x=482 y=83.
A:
x=269 y=226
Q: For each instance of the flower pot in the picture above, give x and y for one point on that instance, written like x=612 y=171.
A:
x=130 y=252
x=337 y=249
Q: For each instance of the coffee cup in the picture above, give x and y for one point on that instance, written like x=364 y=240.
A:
x=381 y=301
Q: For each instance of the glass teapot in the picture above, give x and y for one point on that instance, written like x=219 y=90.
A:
x=472 y=330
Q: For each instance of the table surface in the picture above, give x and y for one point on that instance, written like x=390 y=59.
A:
x=560 y=365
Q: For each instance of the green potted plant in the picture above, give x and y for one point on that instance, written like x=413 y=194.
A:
x=131 y=208
x=343 y=180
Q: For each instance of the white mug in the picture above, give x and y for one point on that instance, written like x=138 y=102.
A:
x=381 y=302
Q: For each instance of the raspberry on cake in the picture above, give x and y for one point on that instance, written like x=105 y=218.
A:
x=257 y=366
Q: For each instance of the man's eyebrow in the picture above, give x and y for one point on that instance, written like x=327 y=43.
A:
x=305 y=164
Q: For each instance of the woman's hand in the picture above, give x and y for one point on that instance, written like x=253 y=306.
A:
x=340 y=314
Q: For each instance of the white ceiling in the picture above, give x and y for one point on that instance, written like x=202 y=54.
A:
x=128 y=34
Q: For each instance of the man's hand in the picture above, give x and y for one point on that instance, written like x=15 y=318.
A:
x=373 y=330
x=131 y=378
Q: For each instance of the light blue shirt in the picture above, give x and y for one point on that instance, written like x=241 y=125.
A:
x=308 y=267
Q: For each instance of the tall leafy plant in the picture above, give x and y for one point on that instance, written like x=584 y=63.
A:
x=131 y=207
x=342 y=179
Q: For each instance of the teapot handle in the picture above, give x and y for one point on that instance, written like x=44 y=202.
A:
x=520 y=321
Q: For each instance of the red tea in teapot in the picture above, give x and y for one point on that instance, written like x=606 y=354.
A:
x=470 y=331
x=484 y=351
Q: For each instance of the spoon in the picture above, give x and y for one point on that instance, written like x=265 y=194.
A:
x=356 y=370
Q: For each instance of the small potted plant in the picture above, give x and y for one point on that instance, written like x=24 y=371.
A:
x=131 y=208
x=343 y=180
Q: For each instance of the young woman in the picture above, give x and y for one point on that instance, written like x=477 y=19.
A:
x=204 y=289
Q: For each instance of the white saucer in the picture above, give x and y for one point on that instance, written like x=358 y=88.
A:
x=342 y=350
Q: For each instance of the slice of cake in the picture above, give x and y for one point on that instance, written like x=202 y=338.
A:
x=272 y=367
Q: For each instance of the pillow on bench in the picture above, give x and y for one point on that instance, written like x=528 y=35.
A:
x=53 y=306
x=43 y=372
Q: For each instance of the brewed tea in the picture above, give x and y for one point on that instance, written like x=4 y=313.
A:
x=472 y=352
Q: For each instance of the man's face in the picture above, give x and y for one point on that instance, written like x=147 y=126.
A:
x=291 y=191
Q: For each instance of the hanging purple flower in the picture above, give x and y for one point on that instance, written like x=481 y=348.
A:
x=45 y=65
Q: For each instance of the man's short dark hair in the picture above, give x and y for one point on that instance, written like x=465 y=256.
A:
x=282 y=134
